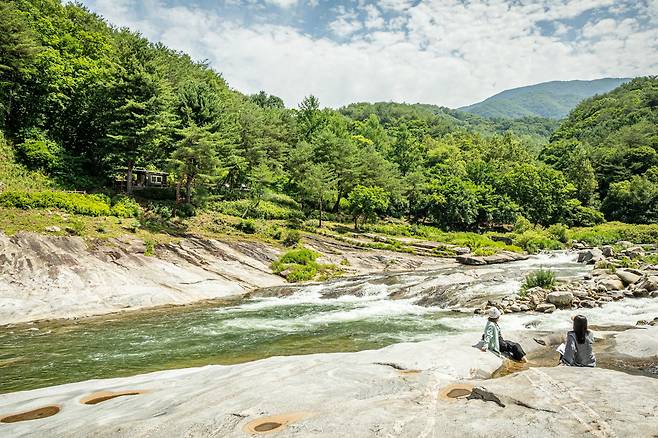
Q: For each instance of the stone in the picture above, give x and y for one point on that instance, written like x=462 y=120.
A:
x=617 y=296
x=608 y=251
x=580 y=293
x=578 y=246
x=470 y=260
x=524 y=307
x=588 y=303
x=654 y=294
x=590 y=256
x=599 y=272
x=53 y=229
x=545 y=308
x=514 y=308
x=560 y=299
x=640 y=293
x=627 y=277
x=624 y=244
x=604 y=299
x=650 y=283
x=610 y=283
x=634 y=252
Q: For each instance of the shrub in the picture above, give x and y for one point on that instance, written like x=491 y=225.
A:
x=559 y=232
x=301 y=264
x=543 y=278
x=612 y=232
x=522 y=225
x=534 y=241
x=40 y=153
x=246 y=226
x=293 y=237
x=264 y=209
x=90 y=205
x=124 y=206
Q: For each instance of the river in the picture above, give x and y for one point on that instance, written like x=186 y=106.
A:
x=353 y=314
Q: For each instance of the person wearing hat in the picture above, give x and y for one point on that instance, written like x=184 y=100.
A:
x=493 y=339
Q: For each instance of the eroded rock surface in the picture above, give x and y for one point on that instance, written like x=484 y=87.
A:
x=396 y=391
x=60 y=277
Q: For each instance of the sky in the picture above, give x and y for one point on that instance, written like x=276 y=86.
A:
x=446 y=52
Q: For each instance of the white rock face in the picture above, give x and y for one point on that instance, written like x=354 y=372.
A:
x=352 y=394
x=61 y=277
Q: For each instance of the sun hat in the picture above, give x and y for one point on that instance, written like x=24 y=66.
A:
x=494 y=313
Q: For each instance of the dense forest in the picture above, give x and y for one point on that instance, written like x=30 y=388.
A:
x=81 y=100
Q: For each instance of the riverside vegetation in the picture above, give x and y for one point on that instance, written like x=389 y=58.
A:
x=81 y=101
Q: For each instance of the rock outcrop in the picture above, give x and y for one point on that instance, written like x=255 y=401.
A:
x=46 y=277
x=433 y=388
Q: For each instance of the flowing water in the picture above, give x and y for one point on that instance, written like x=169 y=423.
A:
x=345 y=315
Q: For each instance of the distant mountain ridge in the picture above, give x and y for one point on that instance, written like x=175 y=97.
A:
x=553 y=100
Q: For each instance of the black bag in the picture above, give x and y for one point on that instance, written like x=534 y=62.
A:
x=512 y=349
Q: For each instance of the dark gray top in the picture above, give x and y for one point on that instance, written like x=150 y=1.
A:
x=579 y=355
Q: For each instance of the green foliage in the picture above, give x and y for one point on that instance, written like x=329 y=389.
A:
x=149 y=247
x=634 y=200
x=40 y=153
x=92 y=205
x=613 y=232
x=247 y=226
x=264 y=209
x=543 y=278
x=366 y=202
x=300 y=264
x=124 y=206
x=559 y=232
x=292 y=238
x=14 y=176
x=534 y=241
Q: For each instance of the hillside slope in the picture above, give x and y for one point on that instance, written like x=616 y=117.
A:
x=552 y=99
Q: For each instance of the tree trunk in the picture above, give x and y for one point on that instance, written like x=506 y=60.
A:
x=178 y=197
x=337 y=205
x=129 y=178
x=320 y=218
x=188 y=189
x=356 y=223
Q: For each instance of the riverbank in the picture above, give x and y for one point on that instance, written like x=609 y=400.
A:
x=405 y=390
x=52 y=277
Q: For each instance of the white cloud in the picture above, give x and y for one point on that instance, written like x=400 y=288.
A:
x=346 y=23
x=374 y=18
x=282 y=3
x=449 y=53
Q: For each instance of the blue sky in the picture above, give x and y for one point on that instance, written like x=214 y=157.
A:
x=446 y=52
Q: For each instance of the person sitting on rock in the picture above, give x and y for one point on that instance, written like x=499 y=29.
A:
x=578 y=348
x=493 y=339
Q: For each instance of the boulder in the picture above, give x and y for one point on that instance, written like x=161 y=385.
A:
x=53 y=229
x=560 y=299
x=578 y=246
x=590 y=256
x=640 y=293
x=624 y=243
x=588 y=303
x=470 y=260
x=610 y=283
x=545 y=308
x=514 y=308
x=650 y=283
x=608 y=251
x=634 y=252
x=628 y=277
x=599 y=272
x=524 y=307
x=580 y=293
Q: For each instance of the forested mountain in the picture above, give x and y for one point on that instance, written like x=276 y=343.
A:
x=608 y=145
x=552 y=100
x=80 y=101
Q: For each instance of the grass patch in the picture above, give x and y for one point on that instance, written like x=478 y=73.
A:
x=299 y=265
x=543 y=278
x=264 y=210
x=612 y=232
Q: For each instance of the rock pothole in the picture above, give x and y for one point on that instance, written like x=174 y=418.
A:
x=274 y=423
x=34 y=414
x=456 y=391
x=101 y=396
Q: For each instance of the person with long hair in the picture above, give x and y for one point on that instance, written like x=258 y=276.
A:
x=578 y=348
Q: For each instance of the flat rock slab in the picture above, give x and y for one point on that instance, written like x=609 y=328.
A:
x=396 y=391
